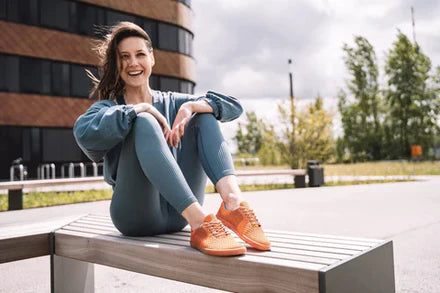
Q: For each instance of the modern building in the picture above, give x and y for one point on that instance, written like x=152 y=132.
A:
x=45 y=45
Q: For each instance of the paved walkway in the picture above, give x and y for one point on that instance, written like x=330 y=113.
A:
x=406 y=212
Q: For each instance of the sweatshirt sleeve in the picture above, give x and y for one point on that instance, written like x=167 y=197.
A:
x=226 y=108
x=102 y=127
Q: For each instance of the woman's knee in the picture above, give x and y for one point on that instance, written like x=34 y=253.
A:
x=205 y=120
x=147 y=124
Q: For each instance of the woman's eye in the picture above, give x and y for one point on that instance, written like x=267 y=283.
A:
x=125 y=57
x=141 y=54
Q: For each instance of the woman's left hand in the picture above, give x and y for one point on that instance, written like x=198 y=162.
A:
x=182 y=119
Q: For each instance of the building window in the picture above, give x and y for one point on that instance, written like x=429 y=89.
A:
x=59 y=145
x=81 y=84
x=34 y=76
x=24 y=11
x=9 y=73
x=55 y=14
x=169 y=84
x=60 y=79
x=151 y=28
x=167 y=37
x=114 y=17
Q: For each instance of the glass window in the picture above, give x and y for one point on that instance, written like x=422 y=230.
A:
x=169 y=84
x=3 y=8
x=167 y=37
x=9 y=73
x=185 y=87
x=114 y=17
x=60 y=79
x=31 y=75
x=87 y=14
x=182 y=38
x=24 y=11
x=154 y=81
x=59 y=145
x=46 y=77
x=81 y=84
x=151 y=28
x=55 y=13
x=189 y=43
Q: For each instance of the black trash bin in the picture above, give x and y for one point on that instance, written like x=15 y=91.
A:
x=316 y=173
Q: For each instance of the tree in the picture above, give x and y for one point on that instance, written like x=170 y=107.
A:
x=412 y=96
x=313 y=134
x=360 y=109
x=249 y=136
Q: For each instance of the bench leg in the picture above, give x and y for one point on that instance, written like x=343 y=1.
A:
x=15 y=199
x=300 y=181
x=70 y=275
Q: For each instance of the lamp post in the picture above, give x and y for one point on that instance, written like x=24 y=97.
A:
x=292 y=147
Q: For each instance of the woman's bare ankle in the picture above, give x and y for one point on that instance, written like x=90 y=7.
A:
x=232 y=201
x=194 y=215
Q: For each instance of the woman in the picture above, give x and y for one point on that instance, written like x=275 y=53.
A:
x=157 y=171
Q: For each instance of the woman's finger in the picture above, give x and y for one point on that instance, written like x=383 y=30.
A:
x=182 y=129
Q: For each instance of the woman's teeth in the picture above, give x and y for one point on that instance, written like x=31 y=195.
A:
x=135 y=73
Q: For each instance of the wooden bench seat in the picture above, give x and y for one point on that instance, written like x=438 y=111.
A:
x=298 y=262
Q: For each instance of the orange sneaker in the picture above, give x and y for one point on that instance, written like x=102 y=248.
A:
x=245 y=224
x=213 y=238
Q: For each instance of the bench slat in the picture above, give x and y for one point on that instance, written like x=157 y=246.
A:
x=251 y=273
x=184 y=240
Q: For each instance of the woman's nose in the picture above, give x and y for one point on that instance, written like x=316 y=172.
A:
x=132 y=61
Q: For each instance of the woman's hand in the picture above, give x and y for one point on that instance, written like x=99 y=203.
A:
x=182 y=119
x=148 y=108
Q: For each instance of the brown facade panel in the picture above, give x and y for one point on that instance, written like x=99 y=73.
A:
x=44 y=43
x=40 y=42
x=164 y=10
x=40 y=111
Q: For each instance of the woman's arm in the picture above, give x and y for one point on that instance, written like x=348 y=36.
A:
x=102 y=127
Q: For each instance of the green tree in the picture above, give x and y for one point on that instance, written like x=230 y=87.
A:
x=249 y=136
x=313 y=134
x=361 y=108
x=413 y=98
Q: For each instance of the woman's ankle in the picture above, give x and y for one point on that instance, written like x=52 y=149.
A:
x=194 y=215
x=232 y=201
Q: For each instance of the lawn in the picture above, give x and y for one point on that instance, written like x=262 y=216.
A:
x=384 y=168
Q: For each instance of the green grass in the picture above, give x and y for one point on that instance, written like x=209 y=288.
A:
x=45 y=199
x=383 y=168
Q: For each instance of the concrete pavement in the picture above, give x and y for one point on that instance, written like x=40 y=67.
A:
x=408 y=213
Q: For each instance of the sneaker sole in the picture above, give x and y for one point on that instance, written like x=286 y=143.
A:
x=221 y=252
x=246 y=239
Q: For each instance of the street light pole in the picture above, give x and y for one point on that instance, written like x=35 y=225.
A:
x=292 y=117
x=290 y=79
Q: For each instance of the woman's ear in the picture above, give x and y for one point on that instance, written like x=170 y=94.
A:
x=152 y=59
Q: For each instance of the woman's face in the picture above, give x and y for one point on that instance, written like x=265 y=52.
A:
x=136 y=61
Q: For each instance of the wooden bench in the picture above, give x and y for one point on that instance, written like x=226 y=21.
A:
x=298 y=262
x=15 y=188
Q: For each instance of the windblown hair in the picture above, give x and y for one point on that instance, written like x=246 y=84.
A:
x=111 y=85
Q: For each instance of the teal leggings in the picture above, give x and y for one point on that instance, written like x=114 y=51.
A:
x=153 y=186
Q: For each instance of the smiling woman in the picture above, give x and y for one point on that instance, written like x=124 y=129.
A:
x=158 y=148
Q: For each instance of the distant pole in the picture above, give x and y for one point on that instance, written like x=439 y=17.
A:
x=413 y=25
x=292 y=115
x=290 y=79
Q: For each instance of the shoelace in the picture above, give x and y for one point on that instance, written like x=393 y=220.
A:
x=217 y=229
x=250 y=216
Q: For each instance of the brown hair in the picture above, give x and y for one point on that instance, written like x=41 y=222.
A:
x=111 y=85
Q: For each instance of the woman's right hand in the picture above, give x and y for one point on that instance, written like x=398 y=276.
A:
x=148 y=108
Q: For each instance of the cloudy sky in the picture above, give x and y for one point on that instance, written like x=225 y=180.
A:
x=242 y=46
